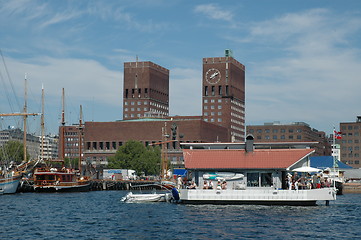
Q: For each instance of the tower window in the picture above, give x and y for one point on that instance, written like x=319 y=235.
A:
x=213 y=91
x=126 y=93
x=220 y=90
x=206 y=91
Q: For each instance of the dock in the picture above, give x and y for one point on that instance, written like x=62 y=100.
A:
x=101 y=185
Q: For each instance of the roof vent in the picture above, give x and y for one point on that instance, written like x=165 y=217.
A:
x=249 y=143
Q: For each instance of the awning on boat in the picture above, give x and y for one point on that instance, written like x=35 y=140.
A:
x=180 y=171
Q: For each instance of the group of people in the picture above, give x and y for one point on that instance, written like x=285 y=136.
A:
x=220 y=184
x=307 y=182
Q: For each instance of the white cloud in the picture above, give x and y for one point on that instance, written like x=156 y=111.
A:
x=85 y=82
x=213 y=11
x=315 y=80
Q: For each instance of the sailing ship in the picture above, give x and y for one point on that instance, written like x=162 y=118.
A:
x=62 y=179
x=10 y=174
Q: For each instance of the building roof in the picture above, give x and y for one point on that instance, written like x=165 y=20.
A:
x=240 y=159
x=323 y=162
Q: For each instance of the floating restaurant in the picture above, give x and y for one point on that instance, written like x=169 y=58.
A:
x=251 y=173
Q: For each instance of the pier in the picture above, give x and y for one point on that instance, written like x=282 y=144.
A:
x=101 y=185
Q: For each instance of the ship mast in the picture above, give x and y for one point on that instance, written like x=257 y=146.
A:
x=24 y=114
x=25 y=117
x=80 y=138
x=42 y=123
x=63 y=125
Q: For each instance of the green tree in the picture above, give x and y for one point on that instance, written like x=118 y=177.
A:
x=134 y=155
x=12 y=151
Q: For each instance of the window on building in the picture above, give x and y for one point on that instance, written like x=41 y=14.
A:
x=114 y=145
x=226 y=91
x=213 y=91
x=219 y=119
x=126 y=93
x=220 y=90
x=205 y=90
x=299 y=137
x=283 y=130
x=253 y=179
x=133 y=91
x=267 y=137
x=107 y=145
x=266 y=179
x=205 y=101
x=275 y=130
x=219 y=106
x=283 y=137
x=274 y=137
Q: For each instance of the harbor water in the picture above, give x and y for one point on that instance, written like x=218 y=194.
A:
x=101 y=215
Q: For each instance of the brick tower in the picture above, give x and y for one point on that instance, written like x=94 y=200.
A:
x=224 y=94
x=146 y=90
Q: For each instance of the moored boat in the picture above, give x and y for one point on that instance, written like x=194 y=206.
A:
x=59 y=180
x=9 y=183
x=146 y=197
x=250 y=176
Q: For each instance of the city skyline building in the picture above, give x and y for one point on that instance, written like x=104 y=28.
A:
x=350 y=142
x=223 y=97
x=146 y=90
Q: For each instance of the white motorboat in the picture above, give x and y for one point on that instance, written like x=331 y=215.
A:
x=146 y=197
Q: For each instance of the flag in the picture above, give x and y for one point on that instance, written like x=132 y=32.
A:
x=338 y=135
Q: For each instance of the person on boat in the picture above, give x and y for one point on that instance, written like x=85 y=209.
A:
x=193 y=185
x=289 y=181
x=179 y=182
x=210 y=184
x=224 y=185
x=219 y=184
x=205 y=185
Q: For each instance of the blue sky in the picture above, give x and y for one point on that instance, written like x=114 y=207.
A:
x=302 y=58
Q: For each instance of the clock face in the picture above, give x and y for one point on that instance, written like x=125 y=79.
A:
x=213 y=76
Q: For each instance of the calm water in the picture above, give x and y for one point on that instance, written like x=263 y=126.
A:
x=101 y=215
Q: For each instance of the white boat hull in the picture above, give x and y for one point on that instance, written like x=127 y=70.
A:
x=146 y=197
x=9 y=185
x=257 y=196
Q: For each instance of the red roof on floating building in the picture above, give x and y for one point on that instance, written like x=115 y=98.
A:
x=241 y=159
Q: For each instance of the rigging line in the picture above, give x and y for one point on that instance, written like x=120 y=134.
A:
x=10 y=81
x=6 y=91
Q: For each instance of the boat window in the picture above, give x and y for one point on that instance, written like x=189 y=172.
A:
x=266 y=179
x=253 y=179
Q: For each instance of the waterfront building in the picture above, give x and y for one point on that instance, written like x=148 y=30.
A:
x=224 y=94
x=146 y=90
x=351 y=142
x=16 y=134
x=102 y=139
x=69 y=145
x=50 y=147
x=293 y=132
x=146 y=112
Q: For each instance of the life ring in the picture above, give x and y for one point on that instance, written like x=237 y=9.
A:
x=44 y=182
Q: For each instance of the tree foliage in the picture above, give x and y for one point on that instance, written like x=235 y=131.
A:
x=134 y=155
x=12 y=151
